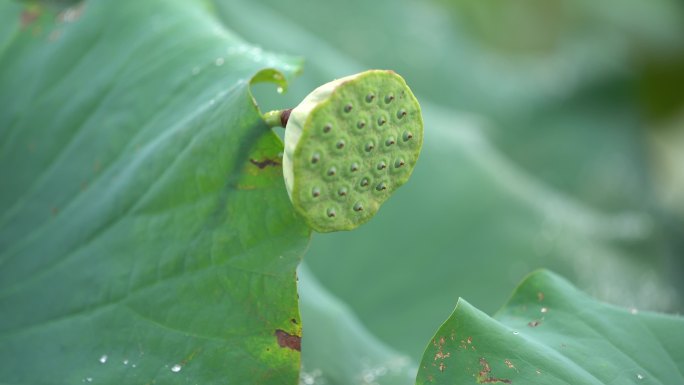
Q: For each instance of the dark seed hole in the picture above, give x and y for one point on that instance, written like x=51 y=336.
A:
x=381 y=121
x=390 y=141
x=315 y=158
x=364 y=182
x=401 y=114
x=340 y=144
x=370 y=147
x=389 y=98
x=348 y=108
x=332 y=171
x=380 y=187
x=342 y=192
x=316 y=192
x=407 y=136
x=381 y=165
x=327 y=128
x=331 y=213
x=354 y=167
x=370 y=97
x=358 y=206
x=361 y=124
x=399 y=163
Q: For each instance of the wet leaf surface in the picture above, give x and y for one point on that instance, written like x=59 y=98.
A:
x=139 y=242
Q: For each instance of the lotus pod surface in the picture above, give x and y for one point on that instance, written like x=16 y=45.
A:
x=348 y=146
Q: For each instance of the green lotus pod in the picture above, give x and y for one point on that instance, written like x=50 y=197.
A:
x=348 y=146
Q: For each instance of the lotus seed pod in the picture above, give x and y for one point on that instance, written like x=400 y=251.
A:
x=348 y=146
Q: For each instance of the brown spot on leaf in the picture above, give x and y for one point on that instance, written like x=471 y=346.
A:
x=540 y=296
x=264 y=163
x=442 y=366
x=484 y=377
x=30 y=15
x=287 y=340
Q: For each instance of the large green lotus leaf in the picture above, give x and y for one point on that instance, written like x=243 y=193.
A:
x=561 y=183
x=551 y=333
x=145 y=232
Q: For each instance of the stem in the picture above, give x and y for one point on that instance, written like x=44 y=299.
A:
x=277 y=118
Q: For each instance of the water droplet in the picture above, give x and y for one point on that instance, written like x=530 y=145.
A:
x=280 y=90
x=389 y=98
x=381 y=166
x=316 y=192
x=348 y=108
x=219 y=61
x=544 y=310
x=390 y=141
x=176 y=368
x=358 y=206
x=639 y=377
x=103 y=359
x=401 y=114
x=125 y=362
x=340 y=144
x=407 y=136
x=195 y=70
x=331 y=213
x=634 y=310
x=370 y=97
x=342 y=191
x=327 y=128
x=211 y=102
x=133 y=365
x=381 y=186
x=399 y=163
x=516 y=332
x=88 y=379
x=354 y=167
x=315 y=158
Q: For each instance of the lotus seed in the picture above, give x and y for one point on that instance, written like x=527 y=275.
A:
x=407 y=136
x=343 y=120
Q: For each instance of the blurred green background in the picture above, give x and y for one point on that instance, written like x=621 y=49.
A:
x=554 y=138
